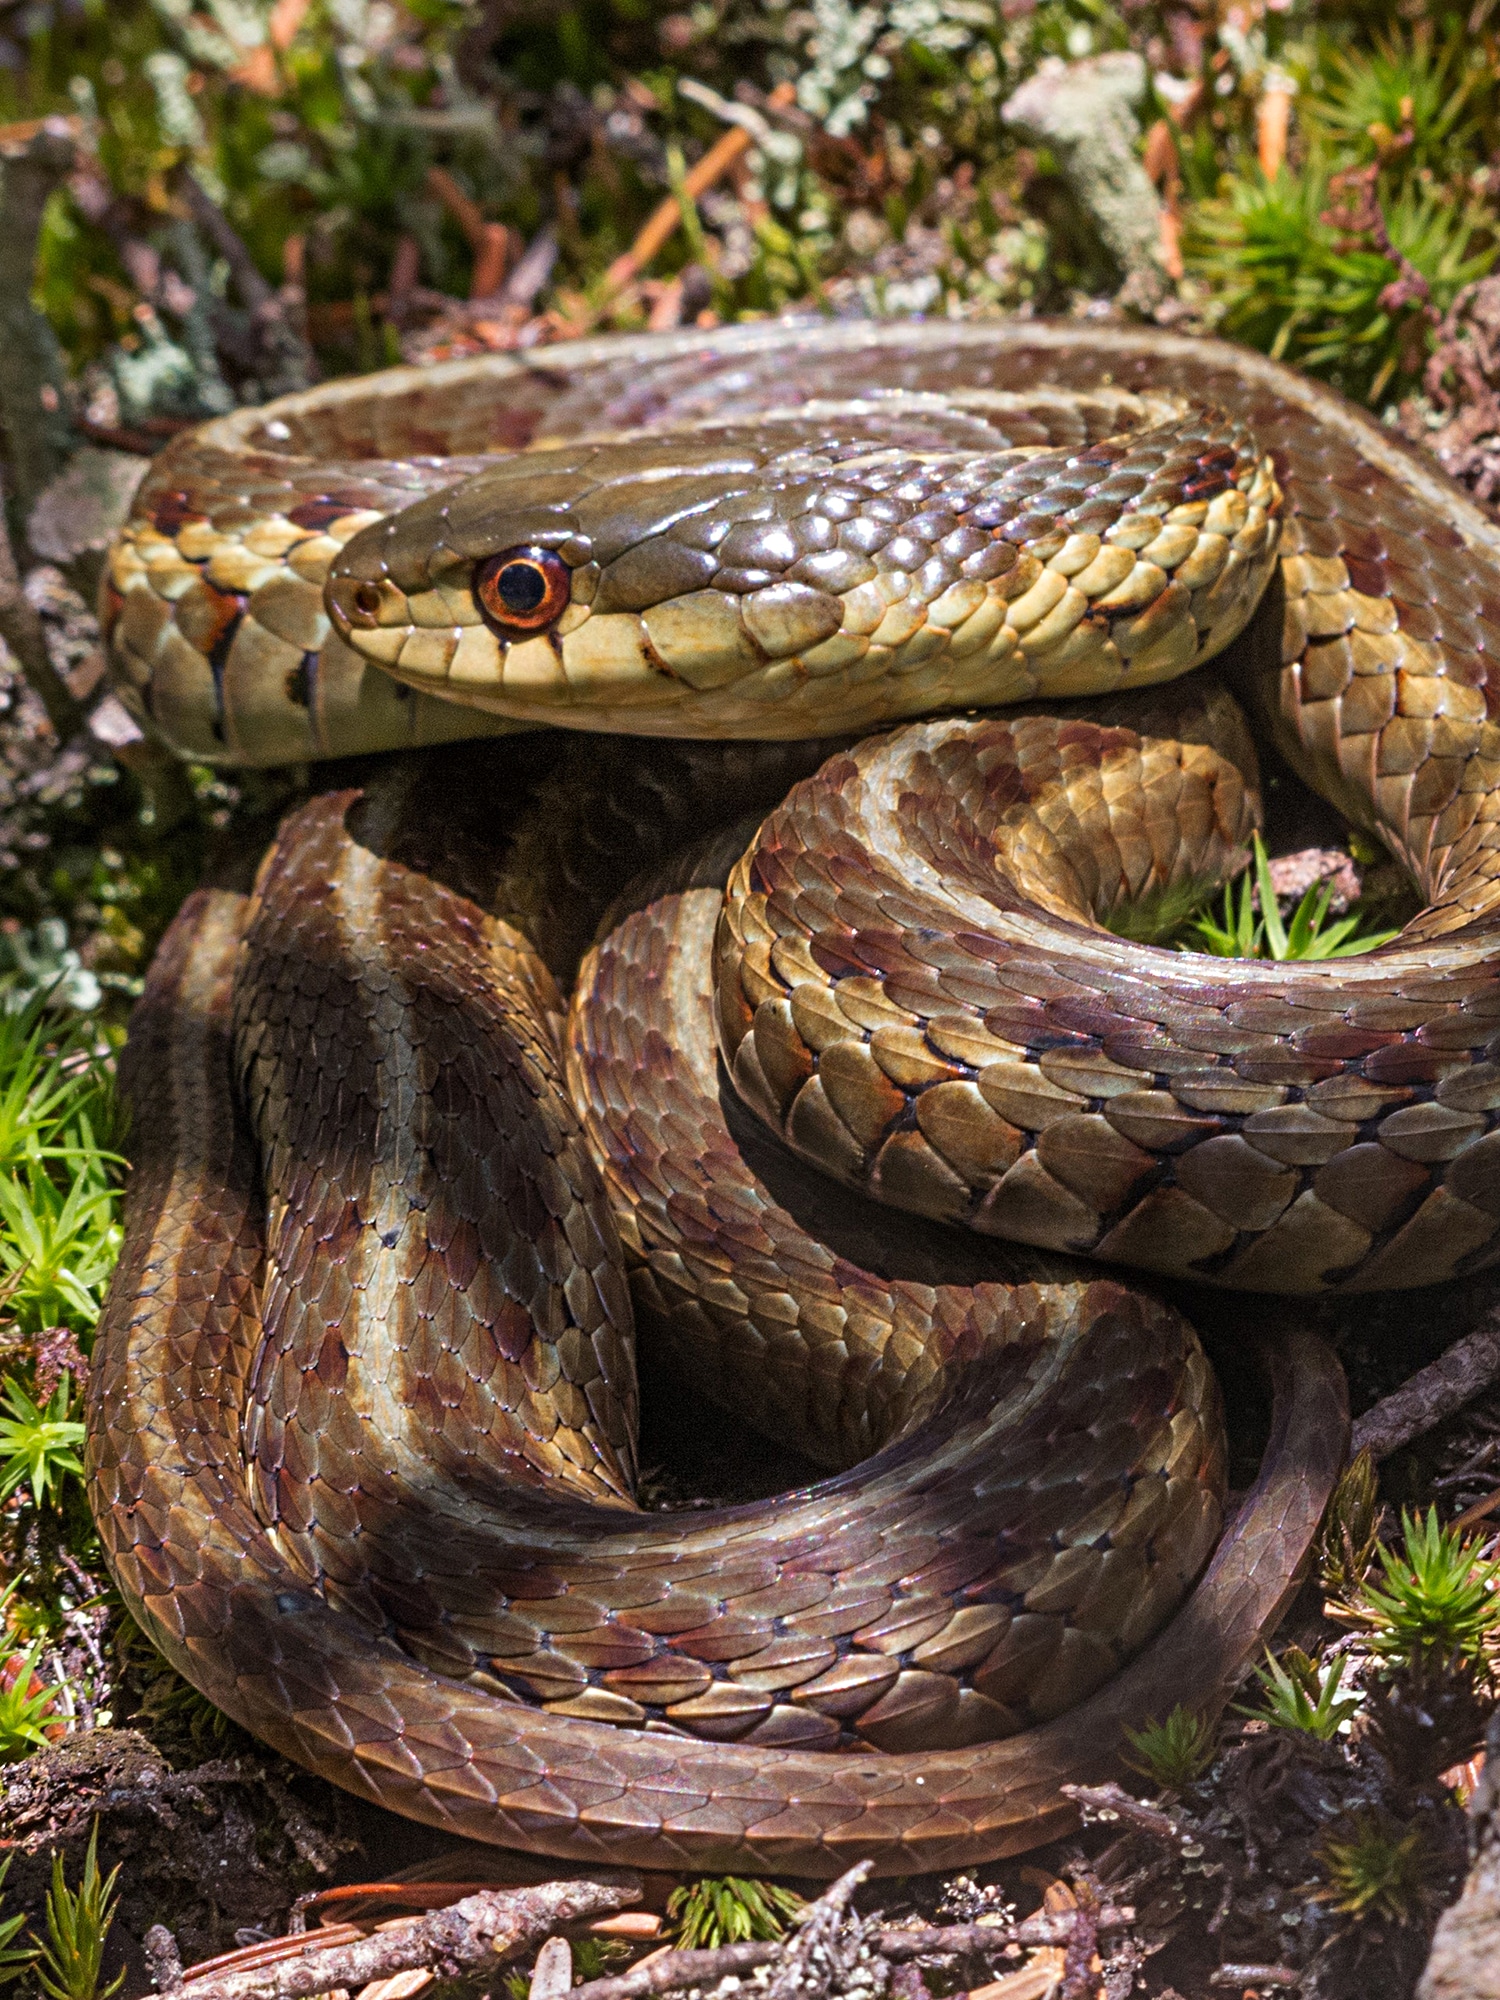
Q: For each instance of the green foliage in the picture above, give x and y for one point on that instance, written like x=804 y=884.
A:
x=728 y=1909
x=1286 y=278
x=59 y=1245
x=38 y=1447
x=78 y=1923
x=1373 y=1867
x=597 y=1957
x=1173 y=1753
x=14 y=1959
x=1407 y=99
x=59 y=1230
x=1242 y=931
x=1160 y=915
x=1297 y=1694
x=55 y=1097
x=23 y=1719
x=1435 y=1608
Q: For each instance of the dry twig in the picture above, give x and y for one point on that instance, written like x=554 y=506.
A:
x=39 y=433
x=279 y=317
x=1114 y=1799
x=490 y=241
x=483 y=1930
x=674 y=1971
x=1255 y=1975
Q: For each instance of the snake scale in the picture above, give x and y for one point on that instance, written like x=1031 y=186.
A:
x=513 y=1044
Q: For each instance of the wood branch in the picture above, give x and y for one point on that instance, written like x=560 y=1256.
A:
x=483 y=1930
x=163 y=1959
x=673 y=1971
x=1081 y=1957
x=490 y=241
x=39 y=435
x=552 y=1975
x=1422 y=1402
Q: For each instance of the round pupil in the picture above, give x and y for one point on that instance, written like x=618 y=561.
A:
x=521 y=586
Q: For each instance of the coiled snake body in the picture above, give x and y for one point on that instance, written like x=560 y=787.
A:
x=362 y=1411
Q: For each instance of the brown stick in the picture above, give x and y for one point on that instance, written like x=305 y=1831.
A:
x=278 y=316
x=1433 y=1393
x=483 y=1930
x=465 y=211
x=671 y=1971
x=490 y=241
x=698 y=179
x=1255 y=1975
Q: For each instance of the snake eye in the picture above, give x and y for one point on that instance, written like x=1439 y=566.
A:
x=523 y=590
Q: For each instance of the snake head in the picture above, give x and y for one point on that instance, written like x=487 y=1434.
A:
x=624 y=575
x=798 y=576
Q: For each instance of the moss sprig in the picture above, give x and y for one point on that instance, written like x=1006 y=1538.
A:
x=1174 y=1752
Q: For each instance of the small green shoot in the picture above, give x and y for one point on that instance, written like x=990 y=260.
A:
x=1297 y=1694
x=728 y=1909
x=1172 y=1753
x=1371 y=1867
x=24 y=1716
x=59 y=1244
x=78 y=1923
x=52 y=1084
x=1435 y=1607
x=1403 y=97
x=1243 y=932
x=1351 y=1529
x=38 y=1447
x=14 y=1959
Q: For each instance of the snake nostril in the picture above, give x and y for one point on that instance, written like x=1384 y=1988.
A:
x=353 y=606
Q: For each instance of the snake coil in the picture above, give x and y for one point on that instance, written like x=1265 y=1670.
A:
x=362 y=1416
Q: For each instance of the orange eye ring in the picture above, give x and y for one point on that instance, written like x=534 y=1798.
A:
x=523 y=589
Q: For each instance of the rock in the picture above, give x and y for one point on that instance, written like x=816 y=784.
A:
x=1085 y=113
x=1465 y=1960
x=79 y=511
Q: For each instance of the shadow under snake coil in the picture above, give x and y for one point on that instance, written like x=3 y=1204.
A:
x=362 y=1413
